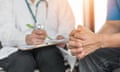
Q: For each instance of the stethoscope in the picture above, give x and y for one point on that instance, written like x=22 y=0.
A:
x=37 y=26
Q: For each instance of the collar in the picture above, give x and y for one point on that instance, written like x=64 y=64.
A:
x=36 y=1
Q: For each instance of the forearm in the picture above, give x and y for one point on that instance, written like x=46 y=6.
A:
x=110 y=27
x=111 y=41
x=109 y=34
x=66 y=19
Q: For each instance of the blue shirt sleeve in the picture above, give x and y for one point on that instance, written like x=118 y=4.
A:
x=113 y=10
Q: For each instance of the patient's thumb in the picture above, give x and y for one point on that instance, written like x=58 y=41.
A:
x=79 y=27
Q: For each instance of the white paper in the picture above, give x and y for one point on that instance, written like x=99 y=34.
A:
x=47 y=43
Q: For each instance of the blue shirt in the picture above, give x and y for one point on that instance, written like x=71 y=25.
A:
x=113 y=10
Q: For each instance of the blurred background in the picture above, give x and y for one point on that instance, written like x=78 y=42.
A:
x=81 y=9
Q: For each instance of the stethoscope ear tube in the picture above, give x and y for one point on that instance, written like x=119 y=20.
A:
x=34 y=16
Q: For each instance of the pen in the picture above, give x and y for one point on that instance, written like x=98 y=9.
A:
x=37 y=27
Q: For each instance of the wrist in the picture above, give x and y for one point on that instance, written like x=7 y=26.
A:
x=100 y=43
x=102 y=39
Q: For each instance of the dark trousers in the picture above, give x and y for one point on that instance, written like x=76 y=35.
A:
x=103 y=60
x=47 y=59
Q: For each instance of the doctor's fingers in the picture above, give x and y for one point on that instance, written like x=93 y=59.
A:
x=60 y=37
x=39 y=32
x=38 y=36
x=37 y=41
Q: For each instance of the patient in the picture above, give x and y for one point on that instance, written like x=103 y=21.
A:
x=56 y=17
x=99 y=52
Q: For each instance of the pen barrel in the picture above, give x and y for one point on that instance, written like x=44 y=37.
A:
x=41 y=27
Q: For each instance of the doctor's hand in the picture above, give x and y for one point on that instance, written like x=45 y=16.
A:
x=36 y=37
x=59 y=37
x=83 y=42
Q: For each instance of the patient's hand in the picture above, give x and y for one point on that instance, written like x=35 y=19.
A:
x=36 y=37
x=83 y=42
x=62 y=45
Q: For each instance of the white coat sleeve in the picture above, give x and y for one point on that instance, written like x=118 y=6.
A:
x=65 y=18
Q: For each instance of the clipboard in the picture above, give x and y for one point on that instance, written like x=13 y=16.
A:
x=46 y=43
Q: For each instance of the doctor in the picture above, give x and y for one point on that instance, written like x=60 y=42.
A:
x=57 y=19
